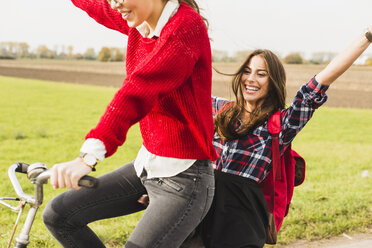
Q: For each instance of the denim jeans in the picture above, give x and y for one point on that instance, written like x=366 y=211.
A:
x=177 y=205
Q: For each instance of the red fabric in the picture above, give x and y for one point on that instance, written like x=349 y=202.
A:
x=284 y=184
x=167 y=88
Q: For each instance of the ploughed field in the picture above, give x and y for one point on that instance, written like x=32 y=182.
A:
x=353 y=89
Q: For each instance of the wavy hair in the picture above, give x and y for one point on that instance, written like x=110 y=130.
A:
x=227 y=121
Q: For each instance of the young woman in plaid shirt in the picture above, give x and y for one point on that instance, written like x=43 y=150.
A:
x=238 y=215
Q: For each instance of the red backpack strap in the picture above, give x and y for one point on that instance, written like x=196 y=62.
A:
x=274 y=127
x=275 y=123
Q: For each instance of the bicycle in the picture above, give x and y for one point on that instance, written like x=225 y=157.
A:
x=38 y=174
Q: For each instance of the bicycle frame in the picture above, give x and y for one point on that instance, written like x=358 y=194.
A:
x=38 y=174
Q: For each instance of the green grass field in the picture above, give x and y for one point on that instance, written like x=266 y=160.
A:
x=43 y=121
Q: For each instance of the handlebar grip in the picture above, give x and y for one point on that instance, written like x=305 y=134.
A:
x=22 y=167
x=88 y=182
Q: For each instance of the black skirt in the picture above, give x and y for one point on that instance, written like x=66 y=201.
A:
x=238 y=215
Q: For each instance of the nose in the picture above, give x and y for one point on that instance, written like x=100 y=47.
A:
x=251 y=77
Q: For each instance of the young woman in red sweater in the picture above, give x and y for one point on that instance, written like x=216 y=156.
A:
x=167 y=90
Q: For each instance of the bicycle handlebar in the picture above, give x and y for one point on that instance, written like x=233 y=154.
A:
x=39 y=174
x=85 y=181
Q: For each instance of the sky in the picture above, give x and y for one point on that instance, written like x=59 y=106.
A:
x=283 y=26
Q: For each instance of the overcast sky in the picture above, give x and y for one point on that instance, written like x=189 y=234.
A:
x=280 y=25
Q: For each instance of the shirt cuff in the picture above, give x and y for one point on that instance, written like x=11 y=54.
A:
x=94 y=147
x=315 y=92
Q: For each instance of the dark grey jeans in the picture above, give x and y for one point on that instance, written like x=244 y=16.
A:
x=177 y=205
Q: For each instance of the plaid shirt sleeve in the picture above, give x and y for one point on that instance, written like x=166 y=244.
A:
x=217 y=104
x=310 y=96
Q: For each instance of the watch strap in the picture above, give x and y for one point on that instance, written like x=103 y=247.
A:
x=92 y=166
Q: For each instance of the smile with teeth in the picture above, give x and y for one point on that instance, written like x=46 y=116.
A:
x=251 y=88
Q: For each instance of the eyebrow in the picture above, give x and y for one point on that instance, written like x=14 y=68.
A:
x=247 y=67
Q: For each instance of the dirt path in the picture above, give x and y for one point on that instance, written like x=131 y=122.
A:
x=358 y=240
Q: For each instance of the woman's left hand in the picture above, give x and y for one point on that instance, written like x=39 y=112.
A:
x=144 y=200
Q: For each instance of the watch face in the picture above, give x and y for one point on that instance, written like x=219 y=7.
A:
x=90 y=159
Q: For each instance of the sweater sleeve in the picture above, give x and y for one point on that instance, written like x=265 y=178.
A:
x=154 y=78
x=310 y=96
x=101 y=12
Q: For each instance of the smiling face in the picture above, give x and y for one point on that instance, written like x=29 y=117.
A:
x=255 y=82
x=135 y=12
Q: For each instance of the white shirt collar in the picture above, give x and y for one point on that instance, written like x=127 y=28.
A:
x=170 y=8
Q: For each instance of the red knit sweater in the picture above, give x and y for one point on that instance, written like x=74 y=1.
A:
x=167 y=88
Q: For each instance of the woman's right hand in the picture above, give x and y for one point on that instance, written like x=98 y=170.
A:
x=68 y=174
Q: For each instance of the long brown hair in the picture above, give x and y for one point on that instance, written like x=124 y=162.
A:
x=228 y=120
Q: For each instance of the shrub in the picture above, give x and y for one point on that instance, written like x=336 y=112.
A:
x=293 y=58
x=369 y=62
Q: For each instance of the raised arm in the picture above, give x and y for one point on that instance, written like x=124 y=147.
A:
x=345 y=59
x=101 y=12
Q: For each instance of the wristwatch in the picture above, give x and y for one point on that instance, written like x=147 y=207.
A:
x=368 y=35
x=89 y=160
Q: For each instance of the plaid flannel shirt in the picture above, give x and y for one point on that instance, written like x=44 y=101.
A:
x=250 y=156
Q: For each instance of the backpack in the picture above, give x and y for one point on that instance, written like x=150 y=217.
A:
x=289 y=172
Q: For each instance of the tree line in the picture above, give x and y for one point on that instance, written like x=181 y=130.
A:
x=317 y=58
x=17 y=50
x=21 y=50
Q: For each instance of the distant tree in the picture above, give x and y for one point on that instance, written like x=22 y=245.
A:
x=321 y=57
x=3 y=52
x=293 y=58
x=10 y=48
x=3 y=49
x=42 y=51
x=70 y=50
x=23 y=49
x=369 y=62
x=105 y=54
x=117 y=54
x=45 y=53
x=241 y=55
x=78 y=56
x=219 y=56
x=90 y=54
x=318 y=58
x=62 y=55
x=63 y=50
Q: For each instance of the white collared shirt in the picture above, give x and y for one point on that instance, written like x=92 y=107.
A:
x=170 y=8
x=155 y=166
